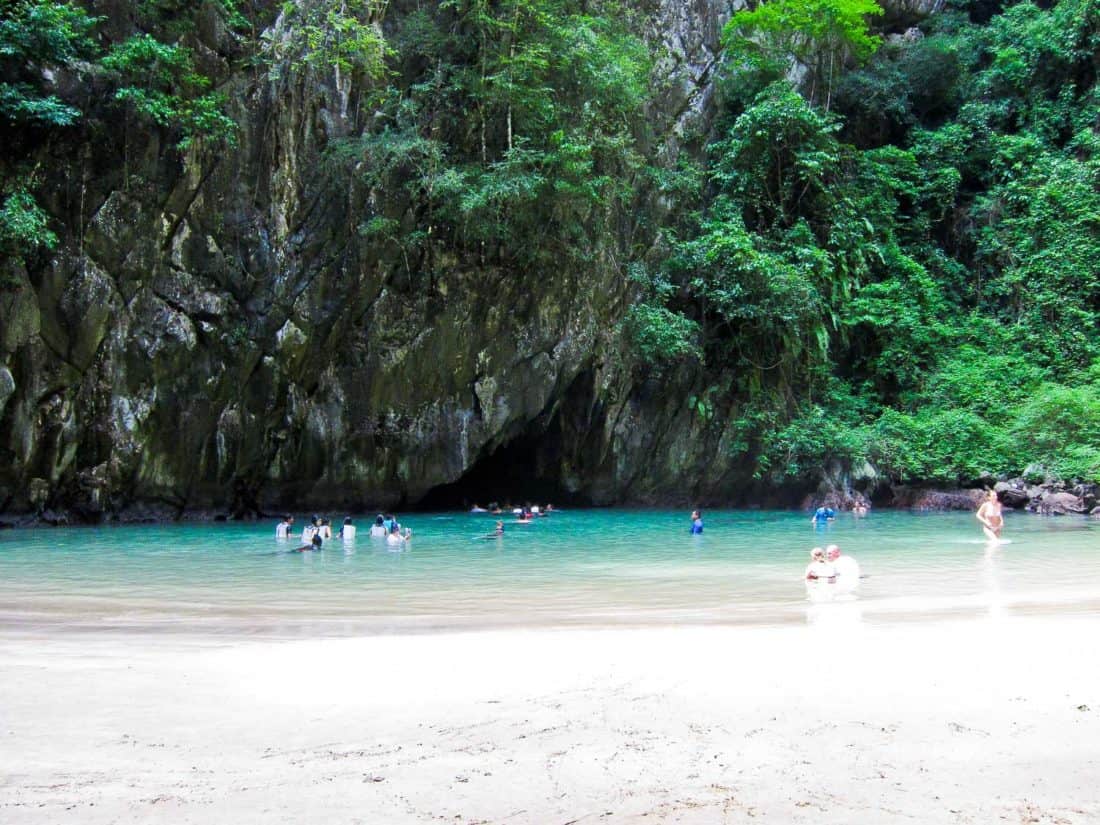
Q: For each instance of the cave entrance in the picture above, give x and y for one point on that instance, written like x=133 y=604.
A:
x=526 y=470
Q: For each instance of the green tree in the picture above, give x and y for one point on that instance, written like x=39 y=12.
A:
x=159 y=81
x=816 y=36
x=37 y=37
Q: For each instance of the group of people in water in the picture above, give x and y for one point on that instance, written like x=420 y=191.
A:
x=524 y=513
x=319 y=530
x=827 y=564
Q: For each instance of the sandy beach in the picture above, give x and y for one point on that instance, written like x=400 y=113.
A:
x=983 y=720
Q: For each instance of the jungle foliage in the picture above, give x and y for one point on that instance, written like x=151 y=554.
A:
x=898 y=261
x=507 y=130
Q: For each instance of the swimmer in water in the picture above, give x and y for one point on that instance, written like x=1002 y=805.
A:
x=314 y=544
x=819 y=569
x=696 y=522
x=497 y=533
x=396 y=537
x=822 y=515
x=989 y=514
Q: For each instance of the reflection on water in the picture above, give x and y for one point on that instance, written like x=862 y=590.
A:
x=579 y=567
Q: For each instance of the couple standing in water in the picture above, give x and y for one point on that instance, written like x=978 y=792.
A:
x=829 y=565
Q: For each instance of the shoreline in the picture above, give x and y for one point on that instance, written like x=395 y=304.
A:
x=943 y=721
x=46 y=624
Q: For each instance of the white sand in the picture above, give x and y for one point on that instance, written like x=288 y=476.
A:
x=974 y=721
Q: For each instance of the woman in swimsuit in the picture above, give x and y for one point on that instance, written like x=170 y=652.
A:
x=989 y=514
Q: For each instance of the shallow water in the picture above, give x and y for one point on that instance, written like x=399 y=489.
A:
x=583 y=567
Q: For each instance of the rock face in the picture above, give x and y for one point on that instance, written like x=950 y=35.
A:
x=213 y=334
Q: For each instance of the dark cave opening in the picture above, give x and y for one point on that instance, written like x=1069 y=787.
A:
x=532 y=467
x=526 y=470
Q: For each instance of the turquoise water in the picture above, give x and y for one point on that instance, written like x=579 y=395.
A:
x=586 y=567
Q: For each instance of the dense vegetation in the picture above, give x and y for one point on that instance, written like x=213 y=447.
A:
x=883 y=252
x=898 y=261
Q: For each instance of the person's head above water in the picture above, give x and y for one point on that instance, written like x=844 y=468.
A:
x=347 y=520
x=379 y=520
x=817 y=554
x=832 y=552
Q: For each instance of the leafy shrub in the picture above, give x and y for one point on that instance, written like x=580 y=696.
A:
x=658 y=335
x=24 y=225
x=1060 y=427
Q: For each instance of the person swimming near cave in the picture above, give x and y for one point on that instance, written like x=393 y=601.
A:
x=696 y=522
x=378 y=529
x=315 y=543
x=498 y=531
x=822 y=515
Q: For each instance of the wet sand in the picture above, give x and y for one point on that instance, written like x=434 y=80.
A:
x=994 y=719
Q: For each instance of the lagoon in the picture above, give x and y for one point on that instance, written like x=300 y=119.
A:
x=577 y=568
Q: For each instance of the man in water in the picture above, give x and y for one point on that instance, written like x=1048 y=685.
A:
x=822 y=515
x=989 y=514
x=819 y=569
x=696 y=522
x=847 y=568
x=282 y=529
